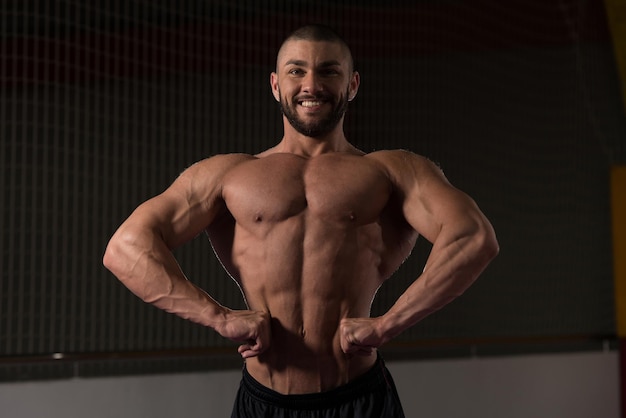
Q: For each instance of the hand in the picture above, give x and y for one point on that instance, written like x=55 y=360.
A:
x=360 y=336
x=252 y=328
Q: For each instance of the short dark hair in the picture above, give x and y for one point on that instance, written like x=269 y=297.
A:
x=317 y=32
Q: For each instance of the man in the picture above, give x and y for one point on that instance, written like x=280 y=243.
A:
x=309 y=229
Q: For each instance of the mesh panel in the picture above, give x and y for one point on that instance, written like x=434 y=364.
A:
x=103 y=104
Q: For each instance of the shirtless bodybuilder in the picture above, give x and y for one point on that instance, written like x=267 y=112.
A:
x=309 y=229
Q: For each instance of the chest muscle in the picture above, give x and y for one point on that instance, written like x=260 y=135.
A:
x=331 y=187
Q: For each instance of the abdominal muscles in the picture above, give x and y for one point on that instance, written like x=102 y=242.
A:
x=308 y=275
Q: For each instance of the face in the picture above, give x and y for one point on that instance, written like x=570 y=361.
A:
x=313 y=83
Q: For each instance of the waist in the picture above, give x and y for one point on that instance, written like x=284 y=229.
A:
x=293 y=371
x=372 y=379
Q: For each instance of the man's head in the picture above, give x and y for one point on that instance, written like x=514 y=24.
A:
x=314 y=80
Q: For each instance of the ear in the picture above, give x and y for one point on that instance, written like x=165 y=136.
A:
x=274 y=85
x=353 y=88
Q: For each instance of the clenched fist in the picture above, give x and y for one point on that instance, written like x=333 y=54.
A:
x=360 y=336
x=251 y=328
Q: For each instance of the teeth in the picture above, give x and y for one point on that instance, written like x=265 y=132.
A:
x=310 y=103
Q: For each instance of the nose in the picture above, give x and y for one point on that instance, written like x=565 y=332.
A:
x=312 y=83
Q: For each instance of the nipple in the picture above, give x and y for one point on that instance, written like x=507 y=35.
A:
x=352 y=216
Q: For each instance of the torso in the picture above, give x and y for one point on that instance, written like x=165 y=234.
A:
x=310 y=241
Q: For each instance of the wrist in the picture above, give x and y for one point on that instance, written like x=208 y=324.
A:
x=216 y=316
x=388 y=326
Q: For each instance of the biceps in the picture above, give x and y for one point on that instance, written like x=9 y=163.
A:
x=444 y=206
x=174 y=219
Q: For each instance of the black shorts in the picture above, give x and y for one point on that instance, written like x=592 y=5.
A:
x=372 y=395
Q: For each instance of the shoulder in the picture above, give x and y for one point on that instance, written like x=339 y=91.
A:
x=400 y=158
x=405 y=168
x=212 y=169
x=204 y=178
x=217 y=164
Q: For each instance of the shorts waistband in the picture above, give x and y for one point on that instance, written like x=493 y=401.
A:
x=366 y=383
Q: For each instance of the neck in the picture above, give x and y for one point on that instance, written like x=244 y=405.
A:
x=294 y=142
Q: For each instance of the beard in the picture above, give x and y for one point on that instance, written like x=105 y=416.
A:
x=317 y=128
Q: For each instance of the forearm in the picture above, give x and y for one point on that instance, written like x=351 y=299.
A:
x=454 y=264
x=145 y=265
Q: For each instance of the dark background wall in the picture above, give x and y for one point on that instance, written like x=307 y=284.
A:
x=103 y=104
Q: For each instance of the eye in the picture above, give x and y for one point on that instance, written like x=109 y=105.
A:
x=296 y=72
x=329 y=72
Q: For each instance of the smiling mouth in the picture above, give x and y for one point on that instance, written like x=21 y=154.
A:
x=310 y=103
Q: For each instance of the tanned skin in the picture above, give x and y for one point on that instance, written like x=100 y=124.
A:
x=309 y=229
